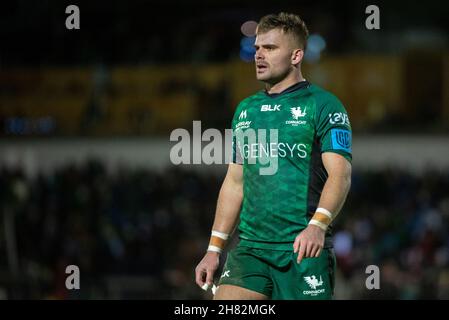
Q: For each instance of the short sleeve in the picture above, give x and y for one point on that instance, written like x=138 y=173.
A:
x=333 y=128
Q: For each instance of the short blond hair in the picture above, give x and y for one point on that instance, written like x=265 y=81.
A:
x=289 y=23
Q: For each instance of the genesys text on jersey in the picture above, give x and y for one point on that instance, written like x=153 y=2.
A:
x=214 y=147
x=261 y=147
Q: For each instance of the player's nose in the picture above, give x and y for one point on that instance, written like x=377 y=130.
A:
x=258 y=57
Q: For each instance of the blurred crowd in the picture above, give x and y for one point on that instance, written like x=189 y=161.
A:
x=398 y=222
x=145 y=68
x=139 y=234
x=135 y=223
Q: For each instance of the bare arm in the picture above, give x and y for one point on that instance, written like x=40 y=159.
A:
x=229 y=200
x=310 y=241
x=226 y=216
x=337 y=184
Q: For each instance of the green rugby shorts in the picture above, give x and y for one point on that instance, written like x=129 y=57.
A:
x=277 y=275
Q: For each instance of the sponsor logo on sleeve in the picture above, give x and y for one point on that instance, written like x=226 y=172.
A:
x=341 y=140
x=339 y=118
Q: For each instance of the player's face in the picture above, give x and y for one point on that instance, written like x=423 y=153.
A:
x=273 y=56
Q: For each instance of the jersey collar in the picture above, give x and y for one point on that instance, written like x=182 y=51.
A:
x=295 y=87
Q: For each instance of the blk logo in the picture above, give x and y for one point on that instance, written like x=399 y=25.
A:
x=269 y=107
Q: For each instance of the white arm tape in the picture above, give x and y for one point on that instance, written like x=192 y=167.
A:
x=325 y=212
x=318 y=224
x=220 y=235
x=214 y=249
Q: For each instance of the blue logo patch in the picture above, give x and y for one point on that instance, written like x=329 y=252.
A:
x=341 y=140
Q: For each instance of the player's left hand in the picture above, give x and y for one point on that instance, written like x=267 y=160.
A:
x=309 y=242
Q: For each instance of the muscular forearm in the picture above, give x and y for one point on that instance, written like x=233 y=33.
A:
x=226 y=216
x=228 y=206
x=310 y=241
x=334 y=193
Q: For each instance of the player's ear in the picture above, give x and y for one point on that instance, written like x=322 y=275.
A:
x=297 y=56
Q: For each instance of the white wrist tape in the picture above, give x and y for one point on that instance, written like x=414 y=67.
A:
x=325 y=212
x=220 y=235
x=318 y=224
x=214 y=249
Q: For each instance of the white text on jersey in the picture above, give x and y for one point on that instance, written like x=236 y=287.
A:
x=269 y=107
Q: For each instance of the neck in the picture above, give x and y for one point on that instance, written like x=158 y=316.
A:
x=291 y=79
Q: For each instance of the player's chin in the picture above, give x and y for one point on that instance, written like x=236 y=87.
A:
x=262 y=76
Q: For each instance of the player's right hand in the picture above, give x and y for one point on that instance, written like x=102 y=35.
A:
x=204 y=271
x=309 y=242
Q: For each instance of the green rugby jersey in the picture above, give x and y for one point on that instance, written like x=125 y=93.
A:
x=283 y=174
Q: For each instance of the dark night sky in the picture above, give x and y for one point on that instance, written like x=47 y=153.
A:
x=34 y=33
